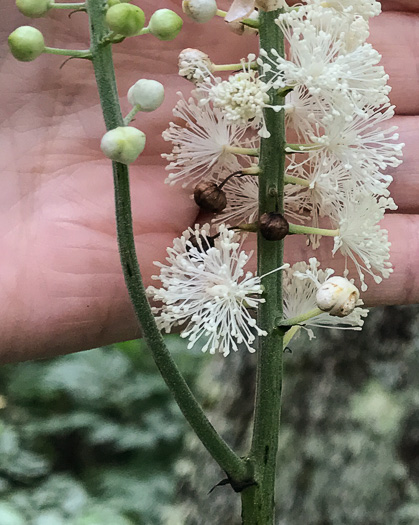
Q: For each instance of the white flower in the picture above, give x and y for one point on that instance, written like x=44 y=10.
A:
x=334 y=71
x=242 y=97
x=365 y=8
x=195 y=65
x=362 y=146
x=300 y=285
x=361 y=238
x=200 y=147
x=205 y=285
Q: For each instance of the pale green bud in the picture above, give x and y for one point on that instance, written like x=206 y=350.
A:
x=33 y=8
x=165 y=24
x=114 y=2
x=123 y=144
x=125 y=19
x=200 y=11
x=148 y=94
x=26 y=43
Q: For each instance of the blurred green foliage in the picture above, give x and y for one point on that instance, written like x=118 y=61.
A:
x=89 y=438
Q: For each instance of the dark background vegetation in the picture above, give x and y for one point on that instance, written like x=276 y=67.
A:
x=95 y=439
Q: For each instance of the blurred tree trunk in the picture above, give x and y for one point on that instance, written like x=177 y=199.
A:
x=349 y=448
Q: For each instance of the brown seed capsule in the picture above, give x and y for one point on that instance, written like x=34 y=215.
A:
x=201 y=245
x=210 y=197
x=273 y=226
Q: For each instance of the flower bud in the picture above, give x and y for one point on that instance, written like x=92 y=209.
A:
x=33 y=8
x=123 y=144
x=194 y=65
x=210 y=197
x=273 y=226
x=26 y=43
x=148 y=94
x=125 y=19
x=165 y=24
x=337 y=296
x=200 y=11
x=114 y=2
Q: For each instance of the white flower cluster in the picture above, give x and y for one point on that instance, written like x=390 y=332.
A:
x=337 y=106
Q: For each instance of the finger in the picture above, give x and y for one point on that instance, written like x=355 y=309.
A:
x=400 y=5
x=405 y=186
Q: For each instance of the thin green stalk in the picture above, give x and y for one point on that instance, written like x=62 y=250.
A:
x=75 y=53
x=258 y=501
x=78 y=5
x=301 y=148
x=290 y=179
x=252 y=152
x=308 y=230
x=234 y=466
x=292 y=321
x=290 y=334
x=132 y=114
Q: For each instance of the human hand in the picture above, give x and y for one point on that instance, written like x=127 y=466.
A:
x=60 y=275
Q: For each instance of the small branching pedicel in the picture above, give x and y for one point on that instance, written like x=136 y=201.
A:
x=330 y=94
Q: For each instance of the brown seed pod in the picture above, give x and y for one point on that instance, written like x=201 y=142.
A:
x=273 y=226
x=210 y=197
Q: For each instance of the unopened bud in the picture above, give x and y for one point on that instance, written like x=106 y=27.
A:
x=26 y=43
x=273 y=226
x=165 y=24
x=123 y=144
x=33 y=8
x=210 y=197
x=200 y=11
x=125 y=19
x=337 y=296
x=195 y=65
x=114 y=2
x=148 y=94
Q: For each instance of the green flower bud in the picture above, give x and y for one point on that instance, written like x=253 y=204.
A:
x=200 y=11
x=123 y=144
x=165 y=24
x=33 y=8
x=26 y=43
x=148 y=94
x=125 y=19
x=114 y=2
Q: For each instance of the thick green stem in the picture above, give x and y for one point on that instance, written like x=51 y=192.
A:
x=258 y=501
x=235 y=467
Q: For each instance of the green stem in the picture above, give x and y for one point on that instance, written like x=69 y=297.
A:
x=252 y=152
x=132 y=114
x=298 y=319
x=76 y=53
x=308 y=230
x=221 y=13
x=258 y=501
x=235 y=467
x=289 y=179
x=284 y=91
x=78 y=5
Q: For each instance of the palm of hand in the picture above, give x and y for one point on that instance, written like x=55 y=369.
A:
x=60 y=275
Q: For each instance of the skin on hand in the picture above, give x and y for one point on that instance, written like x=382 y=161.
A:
x=61 y=284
